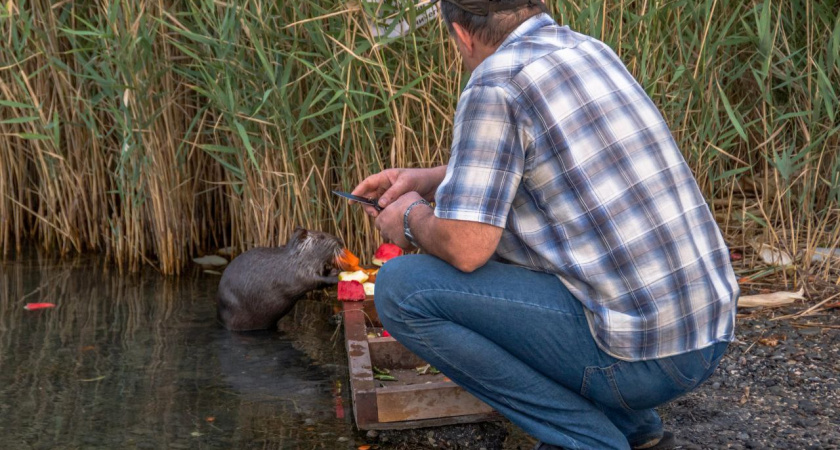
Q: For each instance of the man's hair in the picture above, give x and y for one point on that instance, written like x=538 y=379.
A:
x=493 y=28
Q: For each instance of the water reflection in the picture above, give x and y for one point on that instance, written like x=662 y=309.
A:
x=139 y=362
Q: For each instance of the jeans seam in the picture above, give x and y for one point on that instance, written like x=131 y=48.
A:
x=668 y=367
x=614 y=386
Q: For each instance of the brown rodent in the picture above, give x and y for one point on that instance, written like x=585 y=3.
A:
x=263 y=284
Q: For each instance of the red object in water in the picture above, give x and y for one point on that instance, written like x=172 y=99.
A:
x=339 y=403
x=351 y=291
x=385 y=333
x=339 y=407
x=34 y=306
x=386 y=252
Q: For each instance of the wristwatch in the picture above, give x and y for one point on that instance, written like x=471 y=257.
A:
x=406 y=230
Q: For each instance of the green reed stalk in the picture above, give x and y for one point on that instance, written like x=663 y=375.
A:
x=155 y=131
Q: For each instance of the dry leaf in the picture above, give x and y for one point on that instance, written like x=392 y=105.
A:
x=774 y=256
x=770 y=342
x=770 y=300
x=746 y=395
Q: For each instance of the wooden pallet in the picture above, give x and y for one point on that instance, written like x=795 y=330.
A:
x=414 y=400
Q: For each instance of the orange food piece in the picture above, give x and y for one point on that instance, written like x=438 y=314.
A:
x=347 y=261
x=371 y=274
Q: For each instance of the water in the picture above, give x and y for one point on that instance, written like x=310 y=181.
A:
x=139 y=362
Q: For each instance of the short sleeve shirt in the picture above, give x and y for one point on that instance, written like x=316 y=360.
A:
x=557 y=143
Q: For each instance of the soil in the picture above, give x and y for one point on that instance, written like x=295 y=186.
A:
x=777 y=387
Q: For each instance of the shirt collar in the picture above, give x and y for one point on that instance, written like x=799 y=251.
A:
x=527 y=27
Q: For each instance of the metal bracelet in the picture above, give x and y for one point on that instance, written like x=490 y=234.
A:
x=406 y=230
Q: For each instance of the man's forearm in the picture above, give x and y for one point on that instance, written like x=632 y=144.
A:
x=465 y=245
x=434 y=179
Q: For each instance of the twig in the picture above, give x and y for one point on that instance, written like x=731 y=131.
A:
x=807 y=311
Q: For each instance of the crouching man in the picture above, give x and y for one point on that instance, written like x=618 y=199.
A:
x=574 y=277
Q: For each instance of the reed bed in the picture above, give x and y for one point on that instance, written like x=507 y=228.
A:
x=156 y=131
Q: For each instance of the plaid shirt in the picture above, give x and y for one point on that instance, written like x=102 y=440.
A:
x=555 y=142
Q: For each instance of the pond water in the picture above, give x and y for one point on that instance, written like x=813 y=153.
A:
x=139 y=361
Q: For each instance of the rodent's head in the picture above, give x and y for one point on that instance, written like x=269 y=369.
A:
x=317 y=250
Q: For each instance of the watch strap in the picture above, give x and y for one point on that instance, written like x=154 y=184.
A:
x=406 y=230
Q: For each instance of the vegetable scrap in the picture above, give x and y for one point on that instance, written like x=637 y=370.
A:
x=351 y=291
x=347 y=261
x=358 y=275
x=34 y=306
x=383 y=374
x=427 y=370
x=369 y=288
x=371 y=274
x=385 y=333
x=386 y=252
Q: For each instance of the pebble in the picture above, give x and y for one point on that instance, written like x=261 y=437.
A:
x=810 y=331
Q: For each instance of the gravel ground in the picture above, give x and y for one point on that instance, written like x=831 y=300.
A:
x=777 y=387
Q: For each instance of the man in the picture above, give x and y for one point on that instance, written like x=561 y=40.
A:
x=573 y=276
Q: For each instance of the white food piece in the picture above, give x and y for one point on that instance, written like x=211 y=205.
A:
x=368 y=288
x=358 y=275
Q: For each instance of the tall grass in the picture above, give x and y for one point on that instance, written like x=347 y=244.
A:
x=155 y=131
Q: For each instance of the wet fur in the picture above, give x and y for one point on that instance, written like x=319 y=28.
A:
x=263 y=284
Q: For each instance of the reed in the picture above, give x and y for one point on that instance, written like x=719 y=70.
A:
x=155 y=131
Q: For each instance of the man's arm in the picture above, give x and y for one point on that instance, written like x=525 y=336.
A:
x=391 y=184
x=464 y=244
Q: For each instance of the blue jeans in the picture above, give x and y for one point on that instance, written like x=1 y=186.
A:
x=519 y=341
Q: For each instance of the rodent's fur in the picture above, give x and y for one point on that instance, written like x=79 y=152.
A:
x=262 y=285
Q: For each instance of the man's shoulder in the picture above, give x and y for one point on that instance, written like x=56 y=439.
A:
x=529 y=49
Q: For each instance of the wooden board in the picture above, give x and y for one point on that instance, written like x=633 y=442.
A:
x=414 y=400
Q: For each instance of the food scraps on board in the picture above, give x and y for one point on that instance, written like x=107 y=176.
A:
x=386 y=252
x=351 y=291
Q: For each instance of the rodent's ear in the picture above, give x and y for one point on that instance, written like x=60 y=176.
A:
x=298 y=234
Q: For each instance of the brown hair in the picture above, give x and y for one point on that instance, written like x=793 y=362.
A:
x=493 y=28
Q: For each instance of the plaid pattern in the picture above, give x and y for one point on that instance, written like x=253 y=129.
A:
x=557 y=143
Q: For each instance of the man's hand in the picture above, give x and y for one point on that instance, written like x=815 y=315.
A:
x=391 y=184
x=389 y=222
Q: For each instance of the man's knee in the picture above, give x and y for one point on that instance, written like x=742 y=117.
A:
x=398 y=279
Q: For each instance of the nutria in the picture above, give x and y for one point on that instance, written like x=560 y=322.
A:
x=263 y=284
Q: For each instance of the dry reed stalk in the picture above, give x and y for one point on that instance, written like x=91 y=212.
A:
x=155 y=131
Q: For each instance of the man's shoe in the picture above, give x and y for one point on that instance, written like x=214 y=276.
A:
x=667 y=442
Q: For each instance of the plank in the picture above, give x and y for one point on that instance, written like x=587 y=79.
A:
x=426 y=401
x=362 y=385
